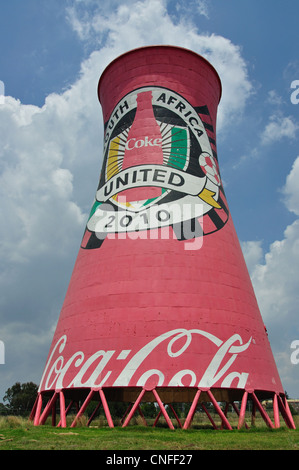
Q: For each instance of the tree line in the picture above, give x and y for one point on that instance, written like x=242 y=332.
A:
x=19 y=399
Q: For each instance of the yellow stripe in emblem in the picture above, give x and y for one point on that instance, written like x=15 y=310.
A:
x=112 y=164
x=208 y=196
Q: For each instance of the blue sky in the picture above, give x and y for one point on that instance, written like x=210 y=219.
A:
x=52 y=54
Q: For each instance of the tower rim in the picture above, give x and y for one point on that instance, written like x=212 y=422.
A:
x=155 y=48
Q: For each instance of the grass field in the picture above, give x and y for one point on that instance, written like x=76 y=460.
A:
x=20 y=434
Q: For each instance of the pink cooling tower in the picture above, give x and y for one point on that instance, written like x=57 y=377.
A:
x=160 y=306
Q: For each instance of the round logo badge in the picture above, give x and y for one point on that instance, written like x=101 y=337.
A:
x=159 y=170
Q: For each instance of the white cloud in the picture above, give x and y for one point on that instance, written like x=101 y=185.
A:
x=149 y=23
x=278 y=128
x=274 y=98
x=203 y=8
x=291 y=188
x=253 y=253
x=36 y=187
x=200 y=6
x=275 y=280
x=276 y=286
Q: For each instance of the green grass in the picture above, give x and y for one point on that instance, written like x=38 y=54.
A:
x=19 y=434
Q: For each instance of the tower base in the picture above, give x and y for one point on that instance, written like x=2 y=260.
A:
x=62 y=402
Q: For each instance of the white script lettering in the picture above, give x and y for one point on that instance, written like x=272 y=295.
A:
x=92 y=372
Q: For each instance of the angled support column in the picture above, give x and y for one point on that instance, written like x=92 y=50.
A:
x=162 y=408
x=83 y=408
x=253 y=414
x=106 y=408
x=66 y=412
x=94 y=413
x=276 y=411
x=175 y=415
x=38 y=409
x=238 y=413
x=139 y=411
x=208 y=415
x=192 y=410
x=286 y=412
x=262 y=411
x=289 y=414
x=62 y=409
x=126 y=413
x=157 y=418
x=48 y=408
x=219 y=410
x=33 y=411
x=54 y=415
x=142 y=415
x=243 y=410
x=134 y=408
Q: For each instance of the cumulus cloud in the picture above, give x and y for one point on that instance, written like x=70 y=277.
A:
x=274 y=98
x=36 y=186
x=275 y=280
x=149 y=23
x=279 y=127
x=253 y=253
x=291 y=188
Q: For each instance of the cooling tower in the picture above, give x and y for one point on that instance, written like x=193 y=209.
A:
x=160 y=307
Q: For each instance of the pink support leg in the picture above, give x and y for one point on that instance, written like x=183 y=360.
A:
x=142 y=415
x=126 y=413
x=157 y=418
x=162 y=408
x=175 y=415
x=262 y=411
x=54 y=415
x=134 y=408
x=33 y=411
x=253 y=414
x=208 y=415
x=94 y=413
x=290 y=417
x=106 y=408
x=38 y=410
x=192 y=410
x=238 y=413
x=66 y=412
x=219 y=411
x=286 y=413
x=243 y=410
x=48 y=408
x=62 y=409
x=276 y=411
x=83 y=408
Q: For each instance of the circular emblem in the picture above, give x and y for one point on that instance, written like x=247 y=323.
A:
x=159 y=170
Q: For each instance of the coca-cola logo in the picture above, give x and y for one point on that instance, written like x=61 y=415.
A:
x=159 y=155
x=150 y=366
x=138 y=143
